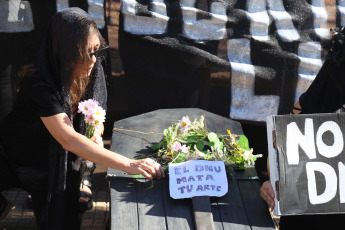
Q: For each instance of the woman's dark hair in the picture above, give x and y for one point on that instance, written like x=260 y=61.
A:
x=80 y=68
x=76 y=57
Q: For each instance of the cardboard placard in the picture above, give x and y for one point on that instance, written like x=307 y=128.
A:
x=197 y=178
x=306 y=159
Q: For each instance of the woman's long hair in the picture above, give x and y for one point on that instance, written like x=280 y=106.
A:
x=78 y=66
x=79 y=81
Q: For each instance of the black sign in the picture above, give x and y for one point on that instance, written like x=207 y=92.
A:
x=307 y=163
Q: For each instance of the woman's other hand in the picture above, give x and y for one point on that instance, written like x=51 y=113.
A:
x=97 y=136
x=267 y=193
x=146 y=167
x=99 y=129
x=97 y=139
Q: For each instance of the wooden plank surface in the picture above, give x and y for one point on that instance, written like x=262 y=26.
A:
x=232 y=210
x=151 y=211
x=179 y=213
x=217 y=220
x=123 y=207
x=203 y=217
x=256 y=208
x=132 y=201
x=133 y=206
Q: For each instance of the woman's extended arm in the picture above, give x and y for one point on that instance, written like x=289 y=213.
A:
x=61 y=129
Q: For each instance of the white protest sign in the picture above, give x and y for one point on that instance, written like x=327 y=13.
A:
x=197 y=178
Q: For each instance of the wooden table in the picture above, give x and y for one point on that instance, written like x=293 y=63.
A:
x=134 y=205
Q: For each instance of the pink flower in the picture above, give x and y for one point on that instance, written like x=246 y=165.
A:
x=185 y=123
x=184 y=149
x=94 y=115
x=90 y=119
x=87 y=107
x=177 y=147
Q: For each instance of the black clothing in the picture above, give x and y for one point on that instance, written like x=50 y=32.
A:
x=24 y=136
x=33 y=154
x=314 y=222
x=6 y=92
x=326 y=94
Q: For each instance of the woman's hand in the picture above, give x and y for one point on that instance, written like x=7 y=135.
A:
x=267 y=193
x=97 y=136
x=146 y=167
x=99 y=129
x=97 y=139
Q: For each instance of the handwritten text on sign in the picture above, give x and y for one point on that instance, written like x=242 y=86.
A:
x=197 y=178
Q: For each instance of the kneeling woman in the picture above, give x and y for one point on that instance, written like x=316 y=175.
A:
x=43 y=136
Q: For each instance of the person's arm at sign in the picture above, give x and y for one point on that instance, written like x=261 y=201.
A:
x=61 y=129
x=267 y=193
x=266 y=190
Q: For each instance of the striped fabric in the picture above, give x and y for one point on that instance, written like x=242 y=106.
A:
x=273 y=47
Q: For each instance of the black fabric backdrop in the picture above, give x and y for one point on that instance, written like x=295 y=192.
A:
x=269 y=51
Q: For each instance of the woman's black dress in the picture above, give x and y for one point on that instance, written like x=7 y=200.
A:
x=30 y=157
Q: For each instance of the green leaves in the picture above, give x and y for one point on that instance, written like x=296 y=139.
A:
x=243 y=142
x=214 y=141
x=189 y=140
x=200 y=145
x=155 y=147
x=212 y=137
x=181 y=158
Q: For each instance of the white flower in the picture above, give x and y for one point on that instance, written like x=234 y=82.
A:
x=246 y=154
x=99 y=115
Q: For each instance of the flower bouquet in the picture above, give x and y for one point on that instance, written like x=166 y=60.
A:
x=186 y=140
x=94 y=117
